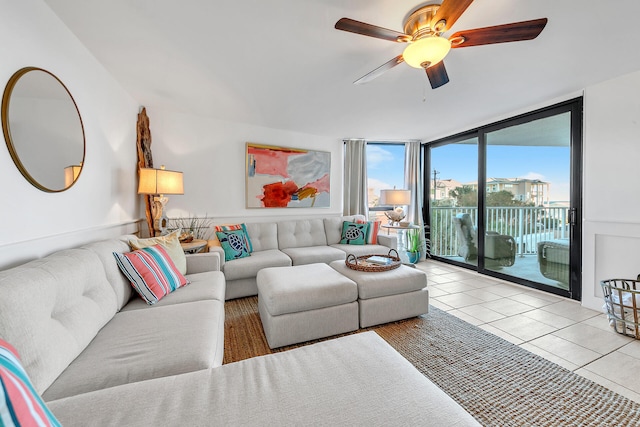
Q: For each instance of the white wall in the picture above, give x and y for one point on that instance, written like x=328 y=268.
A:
x=103 y=202
x=611 y=217
x=211 y=153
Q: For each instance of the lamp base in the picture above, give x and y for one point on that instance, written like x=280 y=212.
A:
x=159 y=219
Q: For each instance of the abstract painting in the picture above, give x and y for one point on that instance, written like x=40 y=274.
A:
x=280 y=177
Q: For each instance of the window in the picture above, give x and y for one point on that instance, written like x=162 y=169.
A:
x=385 y=170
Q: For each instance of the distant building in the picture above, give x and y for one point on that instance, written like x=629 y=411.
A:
x=525 y=190
x=443 y=188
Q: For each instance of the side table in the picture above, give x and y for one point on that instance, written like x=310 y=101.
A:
x=194 y=246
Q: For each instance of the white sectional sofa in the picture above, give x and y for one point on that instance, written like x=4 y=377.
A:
x=292 y=242
x=100 y=356
x=78 y=328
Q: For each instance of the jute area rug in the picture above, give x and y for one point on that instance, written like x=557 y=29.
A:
x=499 y=383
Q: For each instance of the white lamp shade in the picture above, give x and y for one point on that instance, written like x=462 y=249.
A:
x=431 y=50
x=160 y=181
x=395 y=197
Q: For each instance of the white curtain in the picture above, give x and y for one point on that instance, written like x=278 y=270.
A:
x=355 y=177
x=413 y=181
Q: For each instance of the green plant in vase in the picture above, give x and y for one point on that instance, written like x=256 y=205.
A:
x=414 y=244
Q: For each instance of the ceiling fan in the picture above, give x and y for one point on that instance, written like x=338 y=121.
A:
x=427 y=47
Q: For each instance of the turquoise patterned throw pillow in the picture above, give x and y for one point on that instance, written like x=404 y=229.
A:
x=234 y=244
x=354 y=234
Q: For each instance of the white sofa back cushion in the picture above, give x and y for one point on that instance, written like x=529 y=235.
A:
x=301 y=233
x=263 y=236
x=51 y=309
x=333 y=228
x=118 y=281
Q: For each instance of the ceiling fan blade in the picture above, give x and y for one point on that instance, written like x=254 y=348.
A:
x=517 y=31
x=449 y=11
x=353 y=26
x=437 y=75
x=380 y=70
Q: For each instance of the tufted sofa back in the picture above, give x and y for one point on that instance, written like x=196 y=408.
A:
x=301 y=233
x=51 y=309
x=263 y=235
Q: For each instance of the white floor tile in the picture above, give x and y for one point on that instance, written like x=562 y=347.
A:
x=507 y=306
x=485 y=314
x=458 y=300
x=549 y=318
x=523 y=328
x=595 y=339
x=571 y=310
x=566 y=349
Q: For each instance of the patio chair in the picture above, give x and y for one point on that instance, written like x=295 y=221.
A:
x=553 y=259
x=499 y=249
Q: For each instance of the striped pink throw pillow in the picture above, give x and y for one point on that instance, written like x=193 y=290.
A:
x=151 y=272
x=20 y=404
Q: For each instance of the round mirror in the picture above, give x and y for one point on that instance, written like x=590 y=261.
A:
x=43 y=129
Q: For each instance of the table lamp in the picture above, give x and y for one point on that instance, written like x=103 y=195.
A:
x=395 y=198
x=159 y=182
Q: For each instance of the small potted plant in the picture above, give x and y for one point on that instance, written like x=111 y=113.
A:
x=414 y=244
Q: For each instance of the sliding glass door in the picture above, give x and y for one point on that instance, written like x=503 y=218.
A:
x=524 y=224
x=453 y=195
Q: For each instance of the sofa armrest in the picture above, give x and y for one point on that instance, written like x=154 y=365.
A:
x=388 y=240
x=218 y=250
x=201 y=262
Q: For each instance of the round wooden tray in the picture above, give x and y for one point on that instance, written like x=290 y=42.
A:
x=360 y=263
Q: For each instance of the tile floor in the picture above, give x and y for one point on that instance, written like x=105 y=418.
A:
x=556 y=328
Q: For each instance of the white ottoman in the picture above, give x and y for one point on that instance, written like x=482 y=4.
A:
x=388 y=296
x=305 y=302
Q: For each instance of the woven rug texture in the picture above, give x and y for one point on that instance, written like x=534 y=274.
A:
x=499 y=383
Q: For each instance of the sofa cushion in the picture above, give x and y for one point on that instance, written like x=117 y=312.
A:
x=203 y=286
x=234 y=244
x=353 y=380
x=248 y=267
x=264 y=236
x=313 y=254
x=354 y=233
x=20 y=404
x=333 y=228
x=151 y=272
x=170 y=243
x=139 y=345
x=51 y=308
x=299 y=288
x=301 y=233
x=375 y=285
x=104 y=249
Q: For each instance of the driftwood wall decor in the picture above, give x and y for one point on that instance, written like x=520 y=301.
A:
x=145 y=159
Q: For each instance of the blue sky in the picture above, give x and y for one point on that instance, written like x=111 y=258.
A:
x=459 y=162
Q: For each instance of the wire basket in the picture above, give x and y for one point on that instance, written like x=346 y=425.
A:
x=622 y=301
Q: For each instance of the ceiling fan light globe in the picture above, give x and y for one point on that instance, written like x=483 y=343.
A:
x=429 y=50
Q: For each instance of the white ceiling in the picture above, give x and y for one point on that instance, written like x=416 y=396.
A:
x=281 y=64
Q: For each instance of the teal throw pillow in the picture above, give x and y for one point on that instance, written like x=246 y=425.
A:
x=353 y=233
x=234 y=244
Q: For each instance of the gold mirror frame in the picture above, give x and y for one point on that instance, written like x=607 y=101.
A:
x=70 y=171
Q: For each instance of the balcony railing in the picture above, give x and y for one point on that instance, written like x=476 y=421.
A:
x=527 y=225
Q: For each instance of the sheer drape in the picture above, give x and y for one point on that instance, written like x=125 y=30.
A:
x=413 y=181
x=355 y=177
